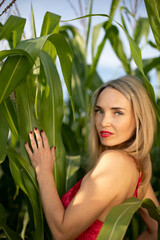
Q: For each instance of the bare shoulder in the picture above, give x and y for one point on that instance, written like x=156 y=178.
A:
x=115 y=160
x=116 y=169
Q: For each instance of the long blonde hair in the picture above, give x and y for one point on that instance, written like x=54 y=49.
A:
x=140 y=144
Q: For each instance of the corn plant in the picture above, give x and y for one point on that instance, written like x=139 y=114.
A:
x=31 y=96
x=30 y=74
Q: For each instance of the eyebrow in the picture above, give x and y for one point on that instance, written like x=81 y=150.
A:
x=113 y=108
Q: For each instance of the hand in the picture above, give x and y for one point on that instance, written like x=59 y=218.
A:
x=146 y=235
x=41 y=156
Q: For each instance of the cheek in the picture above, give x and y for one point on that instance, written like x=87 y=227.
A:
x=126 y=125
x=96 y=123
x=129 y=125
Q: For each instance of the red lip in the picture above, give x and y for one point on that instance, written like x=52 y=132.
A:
x=105 y=134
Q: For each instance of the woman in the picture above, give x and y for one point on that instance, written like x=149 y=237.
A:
x=122 y=130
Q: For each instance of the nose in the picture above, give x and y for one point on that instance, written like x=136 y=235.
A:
x=106 y=120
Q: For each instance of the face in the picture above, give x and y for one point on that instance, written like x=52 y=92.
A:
x=114 y=118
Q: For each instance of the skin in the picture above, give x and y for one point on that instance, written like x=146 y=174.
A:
x=114 y=114
x=110 y=183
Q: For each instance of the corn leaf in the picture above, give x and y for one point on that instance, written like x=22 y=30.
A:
x=66 y=57
x=73 y=165
x=142 y=29
x=113 y=35
x=4 y=137
x=51 y=120
x=16 y=68
x=91 y=72
x=153 y=10
x=24 y=164
x=10 y=234
x=47 y=91
x=89 y=25
x=16 y=171
x=50 y=25
x=33 y=23
x=153 y=211
x=12 y=30
x=24 y=176
x=13 y=52
x=119 y=217
x=8 y=110
x=95 y=34
x=79 y=65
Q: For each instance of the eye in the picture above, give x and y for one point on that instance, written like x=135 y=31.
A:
x=99 y=111
x=118 y=113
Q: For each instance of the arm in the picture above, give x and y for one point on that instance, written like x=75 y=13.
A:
x=152 y=225
x=92 y=198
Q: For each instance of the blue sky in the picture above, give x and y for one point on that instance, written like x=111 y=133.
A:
x=109 y=66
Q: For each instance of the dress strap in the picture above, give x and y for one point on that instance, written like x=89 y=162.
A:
x=139 y=181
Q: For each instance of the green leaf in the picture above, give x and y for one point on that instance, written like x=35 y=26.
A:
x=66 y=57
x=7 y=108
x=50 y=25
x=25 y=178
x=153 y=211
x=51 y=120
x=12 y=30
x=35 y=201
x=33 y=46
x=10 y=234
x=79 y=65
x=33 y=22
x=14 y=52
x=16 y=171
x=25 y=98
x=95 y=34
x=135 y=50
x=114 y=6
x=73 y=165
x=96 y=83
x=89 y=24
x=119 y=217
x=113 y=35
x=14 y=70
x=153 y=10
x=50 y=22
x=25 y=165
x=71 y=146
x=151 y=63
x=44 y=88
x=142 y=29
x=4 y=137
x=92 y=69
x=78 y=89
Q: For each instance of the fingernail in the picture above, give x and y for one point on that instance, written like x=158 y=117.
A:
x=30 y=132
x=54 y=147
x=35 y=128
x=42 y=131
x=25 y=143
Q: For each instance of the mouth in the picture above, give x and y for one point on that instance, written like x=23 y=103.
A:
x=105 y=134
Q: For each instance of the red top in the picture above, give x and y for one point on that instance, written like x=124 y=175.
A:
x=92 y=232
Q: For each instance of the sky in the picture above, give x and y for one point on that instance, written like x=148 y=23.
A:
x=109 y=67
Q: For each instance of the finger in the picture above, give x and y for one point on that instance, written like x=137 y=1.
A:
x=32 y=140
x=45 y=140
x=28 y=150
x=53 y=153
x=38 y=138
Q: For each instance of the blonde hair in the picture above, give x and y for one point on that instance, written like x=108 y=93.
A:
x=141 y=142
